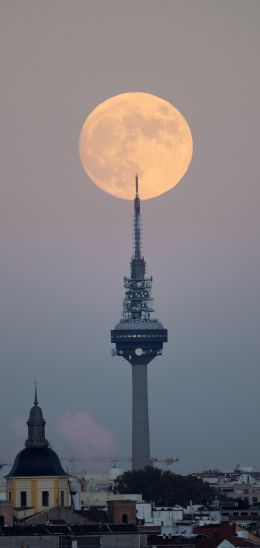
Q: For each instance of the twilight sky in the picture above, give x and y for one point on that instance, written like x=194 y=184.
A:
x=66 y=245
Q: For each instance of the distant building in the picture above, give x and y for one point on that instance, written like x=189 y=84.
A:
x=122 y=511
x=97 y=489
x=241 y=484
x=6 y=514
x=37 y=480
x=222 y=535
x=249 y=493
x=4 y=470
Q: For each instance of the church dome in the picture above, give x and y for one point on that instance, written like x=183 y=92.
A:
x=36 y=461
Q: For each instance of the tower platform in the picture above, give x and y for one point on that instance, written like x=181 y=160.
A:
x=139 y=342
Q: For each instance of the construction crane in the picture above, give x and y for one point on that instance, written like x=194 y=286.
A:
x=168 y=461
x=97 y=459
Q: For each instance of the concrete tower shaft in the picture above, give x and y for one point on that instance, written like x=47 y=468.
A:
x=138 y=338
x=140 y=418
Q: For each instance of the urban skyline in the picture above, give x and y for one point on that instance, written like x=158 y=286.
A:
x=65 y=244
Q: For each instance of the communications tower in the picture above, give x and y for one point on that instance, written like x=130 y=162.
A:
x=139 y=339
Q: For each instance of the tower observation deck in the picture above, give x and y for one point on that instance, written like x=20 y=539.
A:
x=139 y=339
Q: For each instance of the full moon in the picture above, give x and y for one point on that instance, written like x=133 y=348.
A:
x=135 y=134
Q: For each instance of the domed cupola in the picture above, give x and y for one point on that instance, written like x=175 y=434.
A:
x=36 y=426
x=37 y=480
x=37 y=458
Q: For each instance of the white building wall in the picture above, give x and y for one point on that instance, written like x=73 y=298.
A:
x=144 y=511
x=167 y=517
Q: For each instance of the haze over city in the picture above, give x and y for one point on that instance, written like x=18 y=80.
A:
x=66 y=245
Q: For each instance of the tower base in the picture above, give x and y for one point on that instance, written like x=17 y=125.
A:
x=140 y=420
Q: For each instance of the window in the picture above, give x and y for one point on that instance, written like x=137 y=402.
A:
x=45 y=498
x=124 y=518
x=23 y=498
x=9 y=495
x=62 y=498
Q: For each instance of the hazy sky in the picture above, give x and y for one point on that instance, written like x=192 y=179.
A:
x=66 y=245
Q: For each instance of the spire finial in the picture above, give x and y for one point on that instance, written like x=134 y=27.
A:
x=136 y=185
x=35 y=393
x=36 y=425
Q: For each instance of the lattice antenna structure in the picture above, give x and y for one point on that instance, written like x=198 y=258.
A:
x=137 y=305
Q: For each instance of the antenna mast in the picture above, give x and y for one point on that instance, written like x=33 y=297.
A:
x=137 y=222
x=137 y=302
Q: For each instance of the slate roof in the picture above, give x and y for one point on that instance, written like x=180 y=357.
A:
x=36 y=461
